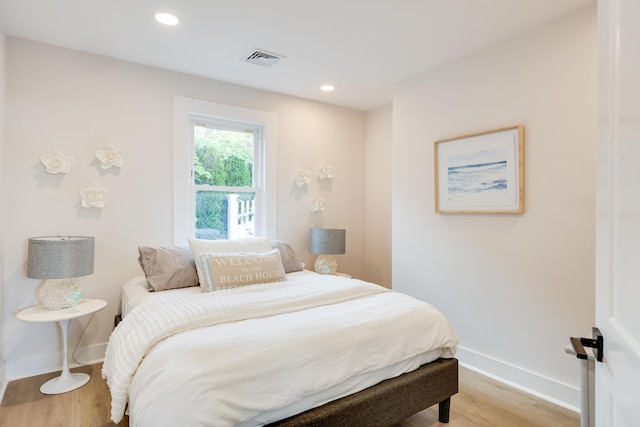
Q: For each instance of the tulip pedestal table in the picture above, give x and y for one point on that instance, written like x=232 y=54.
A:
x=38 y=313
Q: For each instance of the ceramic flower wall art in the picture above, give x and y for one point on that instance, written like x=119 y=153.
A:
x=317 y=204
x=57 y=163
x=325 y=172
x=93 y=196
x=302 y=179
x=109 y=156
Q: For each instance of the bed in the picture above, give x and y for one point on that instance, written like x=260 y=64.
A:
x=309 y=349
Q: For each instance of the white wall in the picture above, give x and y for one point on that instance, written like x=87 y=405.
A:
x=77 y=103
x=514 y=286
x=2 y=185
x=378 y=200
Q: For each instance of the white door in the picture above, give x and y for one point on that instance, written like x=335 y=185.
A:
x=618 y=214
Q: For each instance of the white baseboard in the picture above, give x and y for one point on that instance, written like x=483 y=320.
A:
x=529 y=382
x=51 y=362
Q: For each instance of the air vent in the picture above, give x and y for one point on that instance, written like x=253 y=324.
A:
x=262 y=57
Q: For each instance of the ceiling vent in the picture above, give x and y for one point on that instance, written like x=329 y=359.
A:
x=262 y=57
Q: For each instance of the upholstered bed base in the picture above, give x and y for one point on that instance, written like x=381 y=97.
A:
x=389 y=401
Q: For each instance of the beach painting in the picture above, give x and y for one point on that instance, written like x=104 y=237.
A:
x=481 y=173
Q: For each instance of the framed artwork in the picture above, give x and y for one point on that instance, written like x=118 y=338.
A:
x=481 y=173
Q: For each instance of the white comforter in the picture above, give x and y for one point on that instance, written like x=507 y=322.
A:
x=256 y=354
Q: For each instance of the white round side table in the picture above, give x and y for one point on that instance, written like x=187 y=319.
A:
x=38 y=313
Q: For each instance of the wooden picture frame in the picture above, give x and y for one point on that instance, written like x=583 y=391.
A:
x=481 y=172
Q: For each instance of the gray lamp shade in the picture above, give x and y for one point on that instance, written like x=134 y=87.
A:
x=327 y=241
x=60 y=257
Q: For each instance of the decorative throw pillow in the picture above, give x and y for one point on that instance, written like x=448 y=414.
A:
x=224 y=271
x=290 y=260
x=170 y=267
x=199 y=246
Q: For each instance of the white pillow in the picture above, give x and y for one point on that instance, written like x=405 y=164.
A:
x=199 y=246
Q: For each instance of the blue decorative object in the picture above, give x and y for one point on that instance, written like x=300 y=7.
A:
x=74 y=297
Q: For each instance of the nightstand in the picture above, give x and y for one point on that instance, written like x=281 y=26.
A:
x=66 y=381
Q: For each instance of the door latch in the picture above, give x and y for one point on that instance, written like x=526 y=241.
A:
x=596 y=342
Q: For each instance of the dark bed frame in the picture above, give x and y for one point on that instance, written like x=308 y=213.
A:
x=388 y=402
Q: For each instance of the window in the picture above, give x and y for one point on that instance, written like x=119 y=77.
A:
x=224 y=171
x=225 y=157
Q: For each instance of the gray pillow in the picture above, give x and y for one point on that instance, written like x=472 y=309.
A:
x=170 y=267
x=290 y=260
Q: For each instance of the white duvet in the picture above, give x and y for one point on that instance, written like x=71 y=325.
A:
x=253 y=355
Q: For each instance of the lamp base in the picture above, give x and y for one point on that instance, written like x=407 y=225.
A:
x=326 y=264
x=57 y=294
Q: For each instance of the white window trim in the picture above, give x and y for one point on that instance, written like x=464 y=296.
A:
x=183 y=110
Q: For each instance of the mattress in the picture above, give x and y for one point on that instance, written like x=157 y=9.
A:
x=134 y=291
x=254 y=371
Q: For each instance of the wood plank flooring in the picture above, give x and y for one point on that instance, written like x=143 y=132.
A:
x=481 y=402
x=89 y=406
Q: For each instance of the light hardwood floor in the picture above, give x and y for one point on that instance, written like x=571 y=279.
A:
x=481 y=402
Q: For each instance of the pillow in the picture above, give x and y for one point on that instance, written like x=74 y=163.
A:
x=225 y=271
x=170 y=267
x=198 y=246
x=290 y=260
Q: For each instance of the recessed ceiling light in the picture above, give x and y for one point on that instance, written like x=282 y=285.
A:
x=166 y=18
x=327 y=88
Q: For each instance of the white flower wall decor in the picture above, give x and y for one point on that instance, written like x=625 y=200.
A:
x=93 y=196
x=317 y=204
x=57 y=163
x=302 y=179
x=325 y=172
x=109 y=156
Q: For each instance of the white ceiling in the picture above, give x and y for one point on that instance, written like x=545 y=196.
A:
x=361 y=46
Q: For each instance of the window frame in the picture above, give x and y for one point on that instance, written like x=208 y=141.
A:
x=185 y=111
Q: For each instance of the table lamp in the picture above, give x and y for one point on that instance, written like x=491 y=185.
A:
x=59 y=260
x=327 y=242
